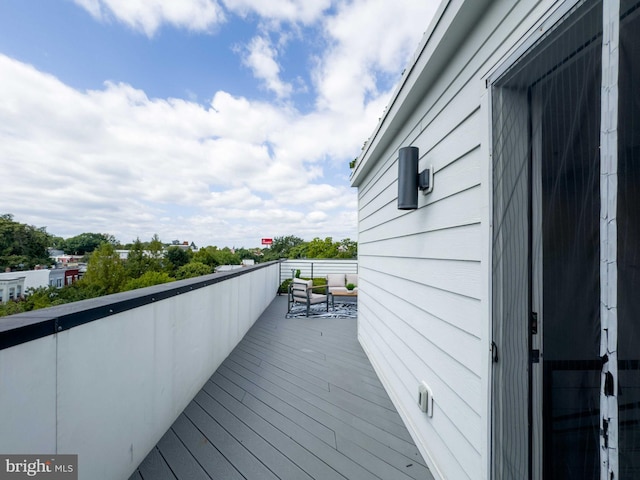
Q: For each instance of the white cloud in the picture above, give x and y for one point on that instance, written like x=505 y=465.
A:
x=368 y=37
x=229 y=173
x=237 y=198
x=317 y=216
x=363 y=29
x=294 y=11
x=261 y=58
x=114 y=160
x=148 y=16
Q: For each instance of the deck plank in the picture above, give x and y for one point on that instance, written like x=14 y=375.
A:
x=371 y=417
x=179 y=459
x=155 y=467
x=373 y=439
x=277 y=357
x=264 y=427
x=213 y=462
x=268 y=453
x=300 y=417
x=234 y=451
x=297 y=398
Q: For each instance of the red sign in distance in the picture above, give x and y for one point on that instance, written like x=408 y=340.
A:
x=267 y=241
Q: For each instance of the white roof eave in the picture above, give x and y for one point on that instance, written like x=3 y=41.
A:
x=447 y=30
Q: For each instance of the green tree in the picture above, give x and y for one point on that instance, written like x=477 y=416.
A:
x=49 y=296
x=347 y=248
x=147 y=279
x=105 y=270
x=57 y=242
x=155 y=249
x=177 y=257
x=227 y=257
x=73 y=293
x=11 y=308
x=87 y=243
x=318 y=248
x=193 y=269
x=299 y=251
x=137 y=261
x=22 y=246
x=244 y=254
x=208 y=256
x=281 y=247
x=41 y=297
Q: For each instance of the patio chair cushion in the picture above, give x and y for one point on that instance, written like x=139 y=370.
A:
x=299 y=288
x=300 y=284
x=335 y=280
x=317 y=298
x=352 y=278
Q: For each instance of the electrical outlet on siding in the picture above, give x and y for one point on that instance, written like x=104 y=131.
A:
x=425 y=398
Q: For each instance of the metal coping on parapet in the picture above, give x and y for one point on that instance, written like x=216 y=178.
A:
x=27 y=326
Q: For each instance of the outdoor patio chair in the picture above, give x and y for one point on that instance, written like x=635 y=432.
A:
x=302 y=291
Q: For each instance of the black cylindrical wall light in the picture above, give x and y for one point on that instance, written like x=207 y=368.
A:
x=408 y=178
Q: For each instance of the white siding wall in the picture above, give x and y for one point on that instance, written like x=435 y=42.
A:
x=424 y=312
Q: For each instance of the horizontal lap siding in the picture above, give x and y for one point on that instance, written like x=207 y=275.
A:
x=447 y=443
x=446 y=361
x=457 y=210
x=457 y=243
x=423 y=306
x=455 y=311
x=420 y=309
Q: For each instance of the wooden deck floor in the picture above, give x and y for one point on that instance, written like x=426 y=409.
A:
x=296 y=399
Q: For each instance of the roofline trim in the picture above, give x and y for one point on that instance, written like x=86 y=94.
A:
x=433 y=44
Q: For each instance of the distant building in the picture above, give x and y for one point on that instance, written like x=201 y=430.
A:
x=185 y=245
x=11 y=288
x=124 y=254
x=42 y=277
x=56 y=278
x=71 y=275
x=66 y=259
x=32 y=278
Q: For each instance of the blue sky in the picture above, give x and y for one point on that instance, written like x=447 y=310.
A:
x=213 y=121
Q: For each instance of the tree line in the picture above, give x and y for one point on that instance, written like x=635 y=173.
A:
x=22 y=247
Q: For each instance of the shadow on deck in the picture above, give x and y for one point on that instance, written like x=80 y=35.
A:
x=296 y=399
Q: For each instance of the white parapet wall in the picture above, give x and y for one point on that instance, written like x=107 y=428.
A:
x=114 y=373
